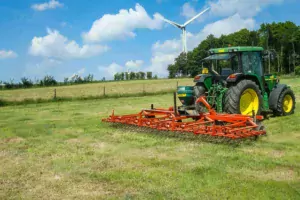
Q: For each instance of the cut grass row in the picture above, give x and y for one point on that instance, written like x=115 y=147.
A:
x=62 y=151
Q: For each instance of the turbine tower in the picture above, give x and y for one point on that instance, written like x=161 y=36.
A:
x=183 y=28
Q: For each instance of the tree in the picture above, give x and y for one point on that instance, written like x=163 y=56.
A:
x=116 y=77
x=142 y=75
x=122 y=76
x=66 y=80
x=26 y=82
x=89 y=78
x=137 y=75
x=181 y=64
x=126 y=75
x=173 y=70
x=149 y=75
x=77 y=79
x=48 y=81
x=132 y=76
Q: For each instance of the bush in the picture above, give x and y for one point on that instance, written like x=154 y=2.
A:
x=48 y=81
x=297 y=71
x=27 y=83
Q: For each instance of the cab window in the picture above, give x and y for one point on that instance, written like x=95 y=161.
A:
x=252 y=63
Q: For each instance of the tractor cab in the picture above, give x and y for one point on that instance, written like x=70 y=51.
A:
x=229 y=64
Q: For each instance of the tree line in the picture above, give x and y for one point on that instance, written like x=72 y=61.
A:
x=281 y=41
x=49 y=80
x=133 y=76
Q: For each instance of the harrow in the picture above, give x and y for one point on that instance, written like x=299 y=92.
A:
x=211 y=123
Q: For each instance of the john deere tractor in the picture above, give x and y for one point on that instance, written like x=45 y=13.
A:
x=233 y=81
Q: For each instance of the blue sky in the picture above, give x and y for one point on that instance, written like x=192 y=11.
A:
x=67 y=37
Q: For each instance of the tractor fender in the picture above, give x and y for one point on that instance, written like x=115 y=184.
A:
x=234 y=78
x=274 y=95
x=203 y=78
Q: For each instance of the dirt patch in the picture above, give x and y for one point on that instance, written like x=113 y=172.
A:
x=280 y=175
x=277 y=154
x=277 y=174
x=270 y=153
x=73 y=141
x=13 y=140
x=99 y=145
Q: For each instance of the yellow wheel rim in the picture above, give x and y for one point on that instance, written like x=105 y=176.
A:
x=249 y=101
x=287 y=103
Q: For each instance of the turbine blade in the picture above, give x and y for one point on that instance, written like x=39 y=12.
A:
x=172 y=23
x=189 y=21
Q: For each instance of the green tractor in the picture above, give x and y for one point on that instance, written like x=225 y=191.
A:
x=234 y=82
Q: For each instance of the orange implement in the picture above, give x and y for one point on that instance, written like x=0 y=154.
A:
x=211 y=123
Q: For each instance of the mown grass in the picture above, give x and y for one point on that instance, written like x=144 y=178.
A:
x=62 y=151
x=84 y=91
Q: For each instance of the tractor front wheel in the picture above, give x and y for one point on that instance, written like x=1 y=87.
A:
x=243 y=98
x=286 y=103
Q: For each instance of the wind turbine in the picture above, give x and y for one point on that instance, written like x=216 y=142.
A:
x=183 y=28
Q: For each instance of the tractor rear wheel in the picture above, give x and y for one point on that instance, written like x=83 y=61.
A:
x=243 y=98
x=286 y=103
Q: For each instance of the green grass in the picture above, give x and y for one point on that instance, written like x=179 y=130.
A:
x=62 y=150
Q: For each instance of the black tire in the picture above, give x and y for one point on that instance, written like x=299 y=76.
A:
x=234 y=93
x=280 y=103
x=199 y=90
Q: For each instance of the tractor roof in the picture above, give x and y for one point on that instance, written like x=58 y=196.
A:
x=235 y=49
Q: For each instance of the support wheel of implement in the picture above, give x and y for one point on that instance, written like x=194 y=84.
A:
x=199 y=90
x=243 y=98
x=286 y=103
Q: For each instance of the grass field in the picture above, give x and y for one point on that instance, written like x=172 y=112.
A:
x=62 y=151
x=95 y=89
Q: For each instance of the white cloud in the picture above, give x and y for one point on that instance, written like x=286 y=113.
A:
x=168 y=46
x=52 y=4
x=244 y=8
x=188 y=11
x=7 y=54
x=109 y=71
x=81 y=71
x=58 y=46
x=228 y=25
x=122 y=25
x=164 y=53
x=225 y=8
x=134 y=63
x=160 y=62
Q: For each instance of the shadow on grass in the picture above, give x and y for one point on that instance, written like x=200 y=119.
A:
x=186 y=136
